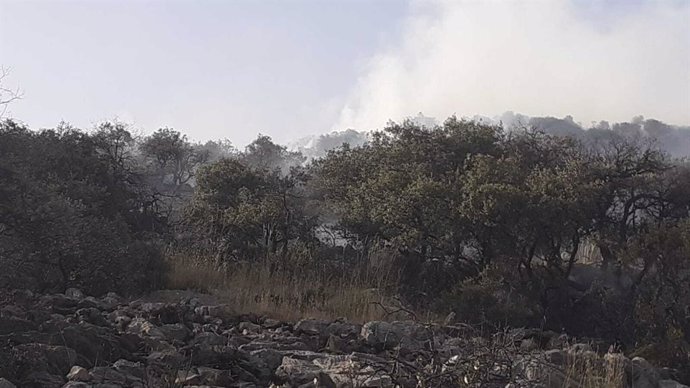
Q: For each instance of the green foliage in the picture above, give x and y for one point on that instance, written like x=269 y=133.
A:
x=494 y=223
x=264 y=154
x=69 y=212
x=172 y=155
x=251 y=211
x=488 y=223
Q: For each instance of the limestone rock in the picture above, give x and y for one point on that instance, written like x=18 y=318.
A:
x=78 y=373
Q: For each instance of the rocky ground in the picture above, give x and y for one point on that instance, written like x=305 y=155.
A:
x=175 y=339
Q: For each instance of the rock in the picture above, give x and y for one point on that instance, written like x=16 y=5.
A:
x=109 y=385
x=92 y=315
x=644 y=375
x=269 y=357
x=528 y=345
x=342 y=371
x=56 y=360
x=133 y=370
x=175 y=332
x=91 y=302
x=141 y=326
x=167 y=358
x=42 y=379
x=78 y=373
x=556 y=356
x=256 y=345
x=112 y=376
x=249 y=327
x=204 y=313
x=323 y=380
x=671 y=384
x=4 y=383
x=335 y=344
x=343 y=329
x=209 y=339
x=58 y=303
x=215 y=377
x=310 y=326
x=188 y=377
x=580 y=348
x=46 y=342
x=74 y=293
x=77 y=384
x=152 y=309
x=95 y=343
x=269 y=323
x=10 y=325
x=296 y=371
x=122 y=322
x=388 y=335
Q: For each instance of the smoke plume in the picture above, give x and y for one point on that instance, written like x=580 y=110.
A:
x=593 y=60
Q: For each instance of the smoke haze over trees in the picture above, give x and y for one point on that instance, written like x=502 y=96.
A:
x=326 y=193
x=545 y=224
x=672 y=139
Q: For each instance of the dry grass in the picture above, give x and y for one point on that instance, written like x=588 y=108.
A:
x=289 y=292
x=356 y=294
x=590 y=370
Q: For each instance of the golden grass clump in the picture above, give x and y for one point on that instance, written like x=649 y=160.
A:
x=287 y=292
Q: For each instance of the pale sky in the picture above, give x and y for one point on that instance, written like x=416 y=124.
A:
x=233 y=69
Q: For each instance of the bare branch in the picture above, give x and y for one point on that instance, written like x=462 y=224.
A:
x=7 y=95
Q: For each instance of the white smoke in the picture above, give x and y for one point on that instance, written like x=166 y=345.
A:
x=557 y=58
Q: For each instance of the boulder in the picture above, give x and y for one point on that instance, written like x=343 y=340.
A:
x=74 y=293
x=91 y=302
x=56 y=360
x=133 y=370
x=644 y=375
x=275 y=345
x=214 y=377
x=166 y=358
x=343 y=329
x=248 y=327
x=269 y=323
x=209 y=339
x=110 y=376
x=671 y=384
x=92 y=315
x=94 y=343
x=4 y=383
x=556 y=357
x=296 y=372
x=310 y=326
x=10 y=325
x=175 y=332
x=343 y=371
x=270 y=358
x=77 y=384
x=388 y=335
x=42 y=379
x=142 y=327
x=78 y=373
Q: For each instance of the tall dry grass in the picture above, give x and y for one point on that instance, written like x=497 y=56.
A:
x=289 y=291
x=356 y=293
x=590 y=370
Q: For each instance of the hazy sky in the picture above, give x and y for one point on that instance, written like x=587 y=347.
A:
x=232 y=69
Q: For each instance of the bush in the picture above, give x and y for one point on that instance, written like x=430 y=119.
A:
x=69 y=216
x=491 y=299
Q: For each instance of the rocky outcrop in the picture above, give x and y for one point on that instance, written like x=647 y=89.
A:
x=74 y=340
